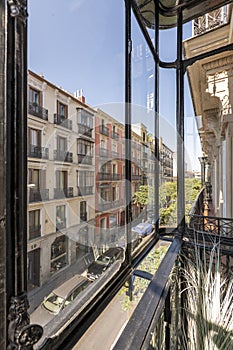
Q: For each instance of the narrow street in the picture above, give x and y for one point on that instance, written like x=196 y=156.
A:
x=105 y=330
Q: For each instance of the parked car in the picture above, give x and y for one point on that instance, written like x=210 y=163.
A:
x=97 y=268
x=143 y=229
x=60 y=297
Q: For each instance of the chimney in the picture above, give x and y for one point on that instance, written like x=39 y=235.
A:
x=79 y=95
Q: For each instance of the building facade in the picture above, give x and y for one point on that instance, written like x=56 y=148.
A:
x=61 y=179
x=211 y=82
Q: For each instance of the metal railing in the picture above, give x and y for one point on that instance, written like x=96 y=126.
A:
x=63 y=193
x=104 y=130
x=34 y=231
x=85 y=191
x=38 y=195
x=216 y=225
x=35 y=151
x=84 y=130
x=154 y=303
x=63 y=156
x=37 y=111
x=62 y=121
x=84 y=159
x=210 y=21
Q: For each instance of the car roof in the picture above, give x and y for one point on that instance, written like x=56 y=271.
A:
x=64 y=289
x=143 y=224
x=112 y=251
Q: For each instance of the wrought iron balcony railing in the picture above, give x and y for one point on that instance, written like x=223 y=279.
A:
x=104 y=152
x=84 y=130
x=37 y=111
x=107 y=205
x=85 y=191
x=63 y=156
x=116 y=177
x=210 y=21
x=135 y=177
x=38 y=152
x=62 y=121
x=61 y=224
x=104 y=176
x=84 y=159
x=63 y=193
x=115 y=154
x=34 y=231
x=104 y=130
x=115 y=135
x=38 y=195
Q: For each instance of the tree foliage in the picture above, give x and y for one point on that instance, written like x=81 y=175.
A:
x=168 y=198
x=143 y=196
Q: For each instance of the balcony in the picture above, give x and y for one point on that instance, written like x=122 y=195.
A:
x=37 y=111
x=107 y=205
x=104 y=130
x=115 y=154
x=104 y=176
x=115 y=135
x=104 y=152
x=63 y=156
x=210 y=21
x=63 y=193
x=116 y=177
x=61 y=224
x=83 y=216
x=38 y=152
x=34 y=231
x=62 y=121
x=135 y=177
x=104 y=206
x=84 y=159
x=85 y=191
x=38 y=195
x=84 y=130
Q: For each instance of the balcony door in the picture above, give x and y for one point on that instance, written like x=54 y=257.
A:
x=34 y=269
x=37 y=178
x=61 y=179
x=34 y=99
x=61 y=144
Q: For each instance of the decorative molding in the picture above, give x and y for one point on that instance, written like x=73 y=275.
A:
x=36 y=84
x=61 y=97
x=219 y=63
x=21 y=334
x=18 y=8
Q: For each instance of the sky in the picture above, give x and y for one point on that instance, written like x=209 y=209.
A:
x=79 y=44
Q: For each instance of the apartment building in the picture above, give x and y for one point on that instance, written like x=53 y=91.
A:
x=211 y=82
x=166 y=162
x=61 y=178
x=109 y=167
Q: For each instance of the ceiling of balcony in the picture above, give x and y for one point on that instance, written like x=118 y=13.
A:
x=168 y=10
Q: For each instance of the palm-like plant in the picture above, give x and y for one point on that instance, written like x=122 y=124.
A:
x=208 y=307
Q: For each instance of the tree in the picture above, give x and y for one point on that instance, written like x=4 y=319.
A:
x=143 y=196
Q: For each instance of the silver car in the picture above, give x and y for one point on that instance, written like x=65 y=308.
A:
x=60 y=297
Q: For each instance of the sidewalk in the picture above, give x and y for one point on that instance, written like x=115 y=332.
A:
x=37 y=295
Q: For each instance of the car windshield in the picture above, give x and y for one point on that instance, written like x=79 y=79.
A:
x=53 y=303
x=103 y=260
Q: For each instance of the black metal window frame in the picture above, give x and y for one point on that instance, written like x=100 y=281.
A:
x=15 y=330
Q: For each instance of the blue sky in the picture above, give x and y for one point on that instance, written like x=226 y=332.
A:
x=79 y=44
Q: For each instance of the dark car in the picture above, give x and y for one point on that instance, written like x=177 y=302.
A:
x=97 y=268
x=143 y=229
x=60 y=297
